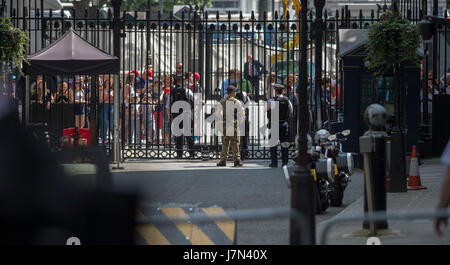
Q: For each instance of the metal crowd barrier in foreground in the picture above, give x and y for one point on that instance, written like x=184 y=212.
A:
x=381 y=216
x=271 y=213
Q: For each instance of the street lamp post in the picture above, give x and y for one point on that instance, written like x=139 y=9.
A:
x=319 y=4
x=302 y=195
x=398 y=174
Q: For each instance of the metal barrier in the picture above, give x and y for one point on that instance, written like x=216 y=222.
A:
x=382 y=216
x=268 y=213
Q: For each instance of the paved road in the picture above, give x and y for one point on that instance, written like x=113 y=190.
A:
x=202 y=184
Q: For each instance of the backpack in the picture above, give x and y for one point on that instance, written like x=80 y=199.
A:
x=178 y=93
x=242 y=96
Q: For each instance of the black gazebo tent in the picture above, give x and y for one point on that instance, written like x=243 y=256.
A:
x=72 y=55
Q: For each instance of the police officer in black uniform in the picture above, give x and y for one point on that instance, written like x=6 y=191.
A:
x=291 y=95
x=285 y=114
x=183 y=93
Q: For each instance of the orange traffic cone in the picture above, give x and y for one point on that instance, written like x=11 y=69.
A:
x=414 y=176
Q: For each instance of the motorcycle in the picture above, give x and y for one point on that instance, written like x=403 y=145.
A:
x=321 y=169
x=343 y=165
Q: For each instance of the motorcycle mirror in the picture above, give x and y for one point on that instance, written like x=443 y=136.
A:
x=332 y=137
x=346 y=132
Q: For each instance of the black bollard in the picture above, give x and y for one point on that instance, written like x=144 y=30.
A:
x=373 y=146
x=303 y=200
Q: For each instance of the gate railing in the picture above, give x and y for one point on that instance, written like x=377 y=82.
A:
x=211 y=45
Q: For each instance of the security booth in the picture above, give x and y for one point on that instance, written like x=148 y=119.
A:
x=362 y=88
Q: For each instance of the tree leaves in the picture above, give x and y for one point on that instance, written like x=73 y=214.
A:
x=392 y=40
x=13 y=42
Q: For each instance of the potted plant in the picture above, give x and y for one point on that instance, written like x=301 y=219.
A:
x=13 y=43
x=392 y=40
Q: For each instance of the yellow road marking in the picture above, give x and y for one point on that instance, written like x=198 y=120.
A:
x=313 y=171
x=195 y=235
x=227 y=227
x=151 y=234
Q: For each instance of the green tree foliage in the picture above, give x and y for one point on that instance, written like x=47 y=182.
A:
x=13 y=42
x=392 y=40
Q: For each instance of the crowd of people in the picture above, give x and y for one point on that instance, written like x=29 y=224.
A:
x=442 y=86
x=145 y=98
x=144 y=108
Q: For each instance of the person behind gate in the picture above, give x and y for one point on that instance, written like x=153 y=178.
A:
x=233 y=123
x=285 y=114
x=181 y=93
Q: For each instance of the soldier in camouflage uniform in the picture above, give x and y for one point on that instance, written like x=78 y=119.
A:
x=232 y=140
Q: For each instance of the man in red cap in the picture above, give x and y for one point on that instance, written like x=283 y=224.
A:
x=197 y=87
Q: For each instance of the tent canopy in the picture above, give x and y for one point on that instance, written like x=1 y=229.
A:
x=71 y=55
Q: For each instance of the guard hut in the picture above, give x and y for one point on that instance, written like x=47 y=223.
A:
x=362 y=88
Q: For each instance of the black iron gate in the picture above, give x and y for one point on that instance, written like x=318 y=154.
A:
x=207 y=49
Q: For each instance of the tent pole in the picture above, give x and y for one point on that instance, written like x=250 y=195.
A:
x=27 y=100
x=116 y=122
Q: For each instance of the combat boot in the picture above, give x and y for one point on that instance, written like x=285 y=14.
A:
x=222 y=164
x=238 y=164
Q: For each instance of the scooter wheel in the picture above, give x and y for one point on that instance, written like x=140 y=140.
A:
x=322 y=202
x=318 y=201
x=325 y=203
x=337 y=194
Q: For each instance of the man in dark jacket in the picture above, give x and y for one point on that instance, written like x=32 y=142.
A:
x=252 y=72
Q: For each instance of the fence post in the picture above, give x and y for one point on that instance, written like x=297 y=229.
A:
x=319 y=4
x=116 y=26
x=116 y=44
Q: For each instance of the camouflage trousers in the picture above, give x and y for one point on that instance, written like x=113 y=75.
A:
x=226 y=142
